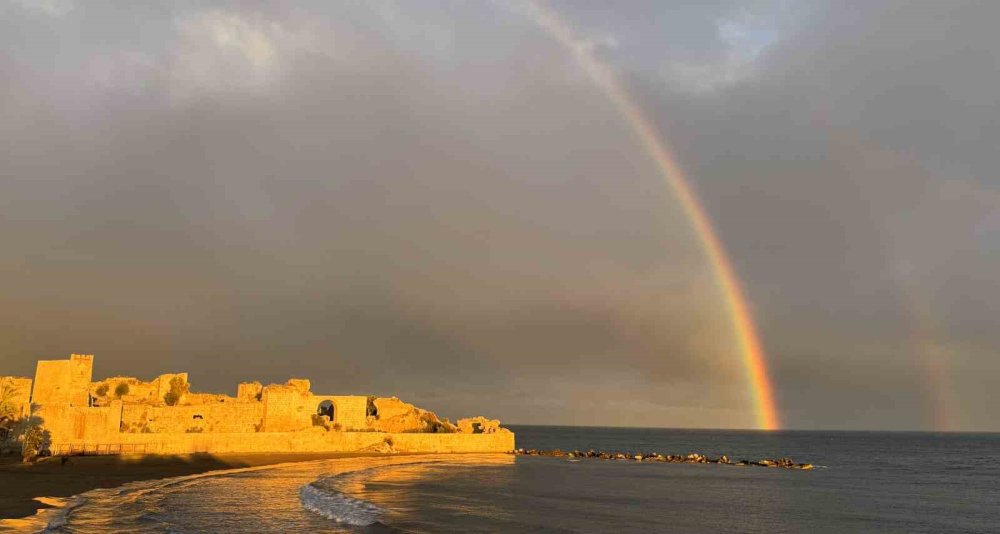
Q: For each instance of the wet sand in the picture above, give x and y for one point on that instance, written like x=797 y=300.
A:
x=51 y=477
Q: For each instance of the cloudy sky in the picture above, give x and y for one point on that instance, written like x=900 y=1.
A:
x=434 y=200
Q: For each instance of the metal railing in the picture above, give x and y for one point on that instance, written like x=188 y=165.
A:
x=97 y=449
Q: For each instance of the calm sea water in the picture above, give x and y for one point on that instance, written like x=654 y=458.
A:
x=869 y=482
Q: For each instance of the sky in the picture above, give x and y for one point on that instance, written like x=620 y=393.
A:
x=434 y=200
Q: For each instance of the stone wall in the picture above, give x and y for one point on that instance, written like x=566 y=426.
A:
x=106 y=390
x=223 y=417
x=313 y=440
x=349 y=410
x=249 y=391
x=152 y=392
x=394 y=415
x=287 y=407
x=80 y=423
x=278 y=418
x=63 y=382
x=163 y=382
x=291 y=407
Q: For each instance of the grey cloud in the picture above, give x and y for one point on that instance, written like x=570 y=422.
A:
x=430 y=201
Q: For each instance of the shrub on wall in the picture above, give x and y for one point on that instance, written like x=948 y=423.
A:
x=178 y=387
x=121 y=390
x=102 y=390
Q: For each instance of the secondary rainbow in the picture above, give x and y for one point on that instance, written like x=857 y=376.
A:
x=753 y=357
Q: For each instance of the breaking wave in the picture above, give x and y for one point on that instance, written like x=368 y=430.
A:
x=338 y=507
x=336 y=495
x=45 y=519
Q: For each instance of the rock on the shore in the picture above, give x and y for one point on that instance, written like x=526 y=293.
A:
x=692 y=458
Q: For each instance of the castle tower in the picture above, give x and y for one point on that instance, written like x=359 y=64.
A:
x=63 y=382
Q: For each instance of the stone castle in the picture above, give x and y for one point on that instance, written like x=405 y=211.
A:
x=122 y=415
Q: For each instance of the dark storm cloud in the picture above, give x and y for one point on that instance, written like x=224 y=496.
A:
x=433 y=201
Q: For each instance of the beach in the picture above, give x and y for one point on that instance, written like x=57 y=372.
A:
x=21 y=483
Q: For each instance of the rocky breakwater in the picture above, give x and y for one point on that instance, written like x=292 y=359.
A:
x=693 y=458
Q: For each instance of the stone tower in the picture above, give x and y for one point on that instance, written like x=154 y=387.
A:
x=63 y=382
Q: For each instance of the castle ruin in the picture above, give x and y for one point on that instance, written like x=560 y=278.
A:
x=121 y=415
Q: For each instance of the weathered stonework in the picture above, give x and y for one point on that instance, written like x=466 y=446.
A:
x=144 y=417
x=63 y=381
x=249 y=391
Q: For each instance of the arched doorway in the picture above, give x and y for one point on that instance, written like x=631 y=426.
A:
x=325 y=408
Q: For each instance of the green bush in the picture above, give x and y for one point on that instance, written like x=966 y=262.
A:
x=8 y=408
x=35 y=442
x=178 y=387
x=121 y=390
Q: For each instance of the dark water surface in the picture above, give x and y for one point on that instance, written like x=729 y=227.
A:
x=869 y=482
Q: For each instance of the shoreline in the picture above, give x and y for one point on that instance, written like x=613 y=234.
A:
x=28 y=489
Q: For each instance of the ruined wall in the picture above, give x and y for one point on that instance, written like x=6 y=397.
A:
x=349 y=410
x=163 y=382
x=198 y=399
x=480 y=425
x=288 y=407
x=104 y=391
x=223 y=417
x=63 y=382
x=74 y=410
x=313 y=440
x=152 y=392
x=68 y=423
x=16 y=392
x=249 y=391
x=394 y=415
x=291 y=407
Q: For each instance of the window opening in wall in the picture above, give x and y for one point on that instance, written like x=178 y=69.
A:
x=325 y=408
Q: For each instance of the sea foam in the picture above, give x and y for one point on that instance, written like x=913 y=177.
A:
x=337 y=506
x=45 y=519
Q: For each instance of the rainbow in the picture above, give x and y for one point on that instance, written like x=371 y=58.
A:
x=932 y=357
x=603 y=76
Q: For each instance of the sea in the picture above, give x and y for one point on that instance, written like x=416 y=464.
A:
x=864 y=482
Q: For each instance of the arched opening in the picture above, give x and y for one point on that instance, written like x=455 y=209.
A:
x=325 y=408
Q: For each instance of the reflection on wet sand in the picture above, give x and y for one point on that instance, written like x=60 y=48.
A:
x=388 y=486
x=259 y=499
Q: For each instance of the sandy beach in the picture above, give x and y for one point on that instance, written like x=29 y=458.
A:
x=21 y=483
